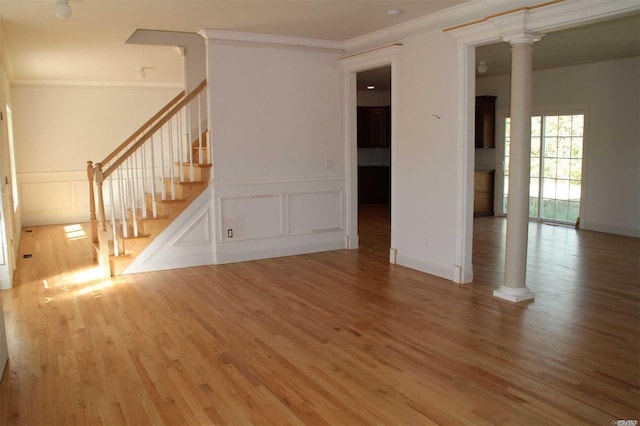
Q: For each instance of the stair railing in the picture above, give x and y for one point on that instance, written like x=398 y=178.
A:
x=145 y=161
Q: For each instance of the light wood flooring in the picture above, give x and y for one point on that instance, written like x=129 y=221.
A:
x=340 y=338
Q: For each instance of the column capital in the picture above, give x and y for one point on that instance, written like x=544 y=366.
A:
x=522 y=38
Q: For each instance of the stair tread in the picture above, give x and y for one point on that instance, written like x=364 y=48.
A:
x=185 y=182
x=160 y=200
x=201 y=165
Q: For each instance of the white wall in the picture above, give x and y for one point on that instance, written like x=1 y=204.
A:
x=609 y=94
x=278 y=150
x=58 y=129
x=426 y=154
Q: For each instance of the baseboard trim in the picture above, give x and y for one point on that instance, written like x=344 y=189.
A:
x=248 y=255
x=170 y=263
x=428 y=267
x=610 y=229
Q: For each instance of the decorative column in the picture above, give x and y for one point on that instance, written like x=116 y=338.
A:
x=514 y=288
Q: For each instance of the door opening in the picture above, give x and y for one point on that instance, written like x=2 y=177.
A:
x=374 y=160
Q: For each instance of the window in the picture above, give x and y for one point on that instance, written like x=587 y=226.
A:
x=556 y=167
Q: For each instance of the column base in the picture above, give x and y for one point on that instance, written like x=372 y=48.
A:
x=514 y=295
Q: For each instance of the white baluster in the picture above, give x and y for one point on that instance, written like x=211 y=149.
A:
x=134 y=201
x=172 y=172
x=143 y=180
x=123 y=212
x=179 y=146
x=114 y=233
x=154 y=207
x=163 y=188
x=200 y=154
x=189 y=146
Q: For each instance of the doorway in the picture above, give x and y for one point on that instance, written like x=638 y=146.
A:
x=374 y=160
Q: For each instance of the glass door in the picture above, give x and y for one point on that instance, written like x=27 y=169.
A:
x=555 y=169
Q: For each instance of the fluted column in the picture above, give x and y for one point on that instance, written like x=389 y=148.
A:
x=514 y=288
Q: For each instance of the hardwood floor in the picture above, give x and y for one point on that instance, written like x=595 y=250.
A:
x=331 y=338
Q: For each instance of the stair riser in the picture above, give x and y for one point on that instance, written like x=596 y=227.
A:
x=200 y=174
x=186 y=191
x=205 y=154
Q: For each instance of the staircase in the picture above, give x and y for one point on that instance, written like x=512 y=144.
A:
x=145 y=183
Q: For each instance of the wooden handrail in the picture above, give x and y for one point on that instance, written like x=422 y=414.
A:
x=154 y=128
x=142 y=128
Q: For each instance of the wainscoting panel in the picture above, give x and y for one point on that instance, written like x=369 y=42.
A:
x=310 y=212
x=252 y=217
x=53 y=198
x=278 y=218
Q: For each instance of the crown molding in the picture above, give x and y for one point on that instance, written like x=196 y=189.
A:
x=270 y=39
x=370 y=58
x=533 y=22
x=464 y=12
x=97 y=84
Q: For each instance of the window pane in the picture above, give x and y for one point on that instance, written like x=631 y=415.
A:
x=549 y=188
x=562 y=189
x=535 y=147
x=576 y=147
x=574 y=211
x=550 y=167
x=562 y=210
x=551 y=126
x=536 y=124
x=574 y=190
x=534 y=187
x=564 y=166
x=564 y=147
x=535 y=167
x=577 y=128
x=533 y=206
x=548 y=208
x=564 y=125
x=576 y=169
x=507 y=127
x=551 y=147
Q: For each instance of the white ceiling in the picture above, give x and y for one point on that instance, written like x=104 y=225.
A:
x=603 y=41
x=90 y=46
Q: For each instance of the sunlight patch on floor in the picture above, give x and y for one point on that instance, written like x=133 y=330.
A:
x=75 y=232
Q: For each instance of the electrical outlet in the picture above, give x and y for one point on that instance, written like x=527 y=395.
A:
x=230 y=233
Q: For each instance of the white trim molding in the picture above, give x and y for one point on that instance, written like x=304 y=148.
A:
x=545 y=17
x=269 y=39
x=352 y=64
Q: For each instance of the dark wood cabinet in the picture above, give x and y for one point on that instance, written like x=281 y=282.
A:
x=374 y=185
x=483 y=193
x=485 y=121
x=374 y=127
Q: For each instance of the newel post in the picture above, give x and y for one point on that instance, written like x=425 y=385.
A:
x=92 y=202
x=103 y=240
x=99 y=179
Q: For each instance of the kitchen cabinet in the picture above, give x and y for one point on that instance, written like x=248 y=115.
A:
x=374 y=127
x=485 y=122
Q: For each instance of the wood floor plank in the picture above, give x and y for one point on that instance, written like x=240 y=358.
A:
x=341 y=337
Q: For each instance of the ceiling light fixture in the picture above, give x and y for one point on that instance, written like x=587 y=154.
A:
x=62 y=10
x=482 y=67
x=371 y=87
x=394 y=12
